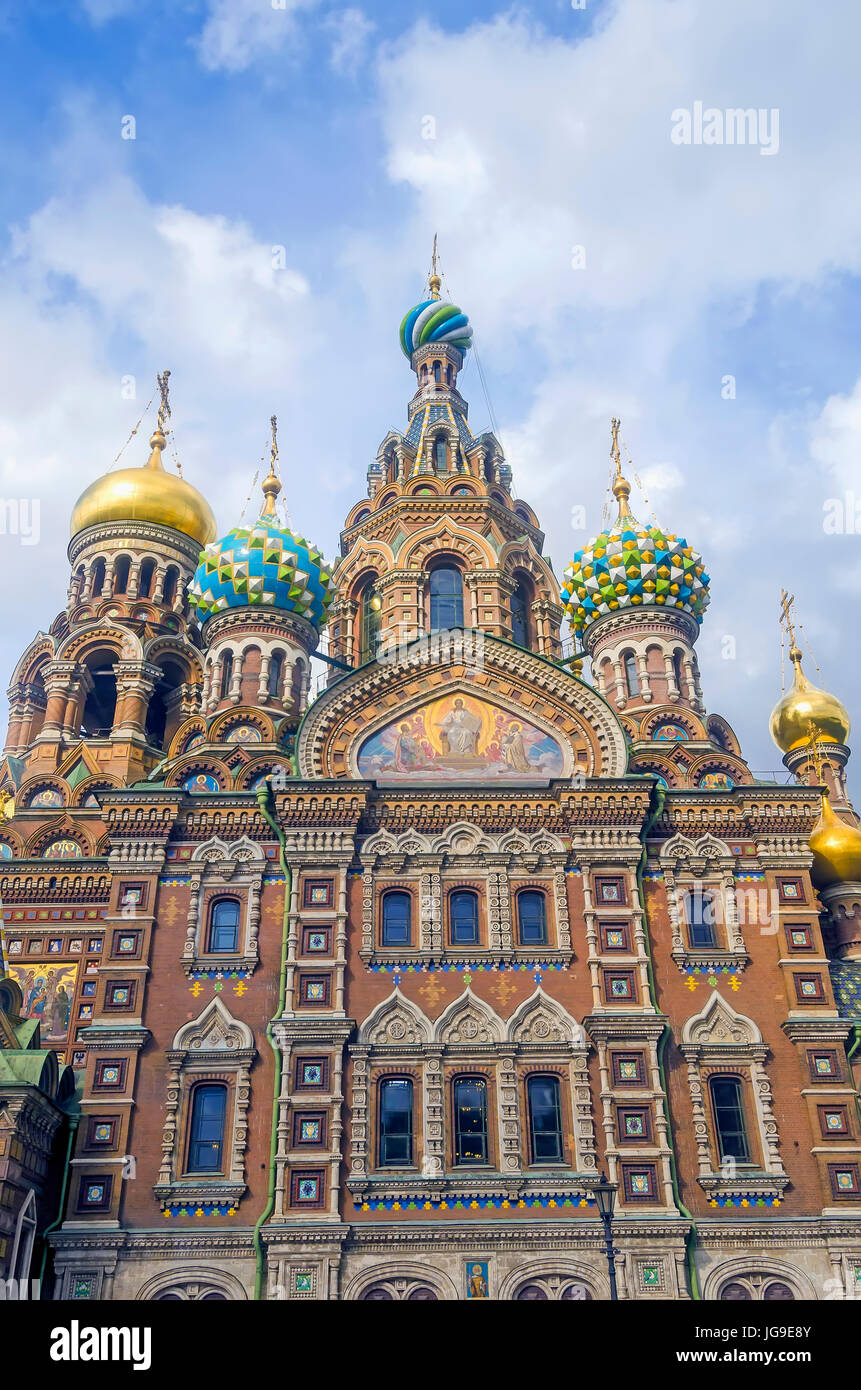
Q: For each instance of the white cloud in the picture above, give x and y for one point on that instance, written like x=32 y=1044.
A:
x=238 y=32
x=352 y=30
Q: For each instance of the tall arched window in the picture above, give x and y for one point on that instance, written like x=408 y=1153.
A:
x=397 y=914
x=98 y=578
x=520 y=616
x=276 y=666
x=463 y=917
x=145 y=581
x=545 y=1119
x=470 y=1120
x=396 y=1122
x=224 y=925
x=437 y=371
x=448 y=374
x=171 y=578
x=446 y=598
x=730 y=1126
x=369 y=623
x=531 y=918
x=699 y=910
x=678 y=671
x=206 y=1130
x=226 y=675
x=440 y=453
x=632 y=679
x=121 y=574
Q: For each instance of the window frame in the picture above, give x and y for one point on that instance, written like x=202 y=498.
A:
x=212 y=905
x=386 y=896
x=541 y=896
x=533 y=1079
x=718 y=1130
x=196 y=1089
x=457 y=1134
x=438 y=601
x=691 y=894
x=382 y=1089
x=463 y=893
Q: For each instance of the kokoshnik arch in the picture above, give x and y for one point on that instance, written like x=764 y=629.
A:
x=373 y=986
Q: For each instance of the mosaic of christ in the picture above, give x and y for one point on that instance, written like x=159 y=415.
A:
x=460 y=738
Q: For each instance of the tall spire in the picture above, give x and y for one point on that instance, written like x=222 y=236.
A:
x=272 y=483
x=434 y=280
x=621 y=486
x=158 y=438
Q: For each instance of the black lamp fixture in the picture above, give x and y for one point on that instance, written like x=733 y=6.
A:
x=605 y=1198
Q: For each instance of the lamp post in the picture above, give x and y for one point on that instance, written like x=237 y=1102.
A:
x=605 y=1196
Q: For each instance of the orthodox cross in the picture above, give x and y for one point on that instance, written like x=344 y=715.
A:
x=164 y=408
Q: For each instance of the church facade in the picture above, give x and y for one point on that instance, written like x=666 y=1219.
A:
x=365 y=990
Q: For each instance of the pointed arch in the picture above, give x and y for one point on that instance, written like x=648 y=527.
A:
x=718 y=1025
x=214 y=1030
x=396 y=1022
x=541 y=1020
x=468 y=1022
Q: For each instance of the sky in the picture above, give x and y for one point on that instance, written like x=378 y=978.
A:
x=270 y=222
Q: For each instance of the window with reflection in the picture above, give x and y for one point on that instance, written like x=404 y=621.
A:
x=463 y=918
x=700 y=914
x=396 y=1122
x=276 y=667
x=224 y=925
x=446 y=598
x=730 y=1125
x=545 y=1119
x=520 y=616
x=397 y=914
x=531 y=918
x=206 y=1129
x=632 y=678
x=371 y=607
x=470 y=1120
x=226 y=675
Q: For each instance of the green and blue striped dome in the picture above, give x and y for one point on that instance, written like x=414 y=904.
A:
x=265 y=564
x=435 y=321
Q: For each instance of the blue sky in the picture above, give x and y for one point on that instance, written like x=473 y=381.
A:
x=306 y=127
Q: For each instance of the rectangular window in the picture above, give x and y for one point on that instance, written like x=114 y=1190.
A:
x=730 y=1127
x=224 y=926
x=639 y=1182
x=531 y=918
x=629 y=1068
x=463 y=918
x=469 y=1095
x=545 y=1119
x=396 y=1122
x=206 y=1130
x=700 y=915
x=397 y=917
x=633 y=1124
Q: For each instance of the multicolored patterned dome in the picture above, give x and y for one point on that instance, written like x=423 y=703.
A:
x=263 y=564
x=631 y=565
x=435 y=321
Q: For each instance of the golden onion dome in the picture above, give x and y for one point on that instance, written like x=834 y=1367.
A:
x=836 y=849
x=149 y=494
x=805 y=705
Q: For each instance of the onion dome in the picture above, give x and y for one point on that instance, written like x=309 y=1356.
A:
x=147 y=494
x=264 y=564
x=836 y=849
x=435 y=321
x=803 y=706
x=633 y=566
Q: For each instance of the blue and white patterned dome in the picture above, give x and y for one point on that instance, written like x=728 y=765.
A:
x=264 y=564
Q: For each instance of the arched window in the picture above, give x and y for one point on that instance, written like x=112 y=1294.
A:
x=448 y=374
x=463 y=917
x=276 y=666
x=396 y=1122
x=437 y=371
x=678 y=671
x=369 y=620
x=735 y=1293
x=470 y=1120
x=121 y=574
x=440 y=453
x=170 y=582
x=531 y=918
x=632 y=679
x=520 y=616
x=100 y=703
x=699 y=910
x=446 y=598
x=224 y=925
x=545 y=1119
x=206 y=1130
x=25 y=1235
x=147 y=575
x=423 y=374
x=226 y=675
x=378 y=1295
x=730 y=1126
x=98 y=578
x=397 y=914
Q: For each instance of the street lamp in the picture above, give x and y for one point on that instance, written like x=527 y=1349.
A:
x=605 y=1196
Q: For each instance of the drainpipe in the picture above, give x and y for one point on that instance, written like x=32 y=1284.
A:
x=659 y=796
x=265 y=802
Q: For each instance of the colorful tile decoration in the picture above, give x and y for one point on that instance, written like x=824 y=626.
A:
x=475 y=1202
x=789 y=889
x=799 y=937
x=109 y=1076
x=15 y=948
x=202 y=782
x=846 y=980
x=199 y=1209
x=127 y=945
x=88 y=989
x=834 y=1120
x=640 y=1184
x=311 y=1074
x=629 y=1070
x=844 y=1179
x=316 y=941
x=95 y=1193
x=82 y=1288
x=823 y=1065
x=615 y=937
x=650 y=1276
x=85 y=1011
x=75 y=946
x=809 y=989
x=308 y=1190
x=315 y=991
x=48 y=992
x=303 y=1282
x=318 y=895
x=477 y=1282
x=620 y=987
x=635 y=1126
x=132 y=896
x=63 y=849
x=103 y=1132
x=94 y=944
x=610 y=892
x=310 y=1131
x=120 y=995
x=55 y=946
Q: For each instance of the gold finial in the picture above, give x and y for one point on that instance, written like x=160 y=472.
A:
x=271 y=483
x=621 y=486
x=434 y=281
x=158 y=438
